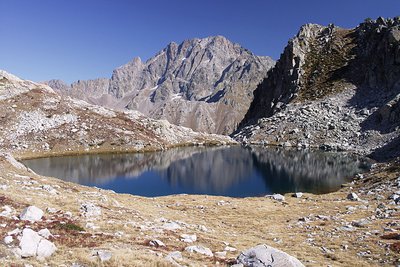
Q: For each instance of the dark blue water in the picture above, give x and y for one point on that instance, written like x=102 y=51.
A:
x=229 y=171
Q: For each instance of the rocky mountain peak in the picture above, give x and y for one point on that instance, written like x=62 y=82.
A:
x=205 y=84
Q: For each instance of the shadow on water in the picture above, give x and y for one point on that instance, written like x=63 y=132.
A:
x=229 y=171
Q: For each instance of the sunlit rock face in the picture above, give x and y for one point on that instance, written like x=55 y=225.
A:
x=204 y=84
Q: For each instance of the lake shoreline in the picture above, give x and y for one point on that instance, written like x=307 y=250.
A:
x=242 y=223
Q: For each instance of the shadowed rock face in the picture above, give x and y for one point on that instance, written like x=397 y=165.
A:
x=205 y=84
x=350 y=77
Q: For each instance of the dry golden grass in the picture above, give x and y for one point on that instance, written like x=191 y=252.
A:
x=242 y=223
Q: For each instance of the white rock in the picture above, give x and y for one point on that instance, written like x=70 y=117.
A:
x=230 y=249
x=188 y=238
x=200 y=250
x=277 y=197
x=8 y=239
x=156 y=243
x=6 y=211
x=353 y=197
x=263 y=255
x=171 y=226
x=3 y=187
x=29 y=243
x=32 y=214
x=104 y=255
x=16 y=231
x=220 y=254
x=45 y=233
x=90 y=210
x=45 y=248
x=176 y=255
x=298 y=195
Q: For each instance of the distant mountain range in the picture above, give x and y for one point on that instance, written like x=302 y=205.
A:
x=204 y=84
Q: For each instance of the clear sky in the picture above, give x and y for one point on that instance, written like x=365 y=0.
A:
x=84 y=39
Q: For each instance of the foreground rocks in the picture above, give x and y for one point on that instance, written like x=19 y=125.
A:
x=326 y=229
x=263 y=255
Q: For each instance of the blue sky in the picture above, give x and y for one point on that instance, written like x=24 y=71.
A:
x=84 y=39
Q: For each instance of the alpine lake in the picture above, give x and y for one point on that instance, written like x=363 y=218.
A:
x=233 y=171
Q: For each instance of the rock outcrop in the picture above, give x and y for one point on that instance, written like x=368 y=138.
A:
x=204 y=84
x=333 y=87
x=36 y=119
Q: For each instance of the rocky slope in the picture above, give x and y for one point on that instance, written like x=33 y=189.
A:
x=332 y=87
x=35 y=118
x=204 y=84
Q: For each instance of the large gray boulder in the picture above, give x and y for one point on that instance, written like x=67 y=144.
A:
x=263 y=255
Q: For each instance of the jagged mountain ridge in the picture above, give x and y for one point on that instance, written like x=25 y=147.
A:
x=204 y=84
x=333 y=87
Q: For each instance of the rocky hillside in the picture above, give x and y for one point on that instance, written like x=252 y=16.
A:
x=332 y=87
x=204 y=84
x=36 y=119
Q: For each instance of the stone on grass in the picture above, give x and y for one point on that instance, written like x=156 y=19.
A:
x=29 y=243
x=175 y=255
x=45 y=248
x=230 y=249
x=297 y=195
x=277 y=197
x=200 y=250
x=45 y=233
x=32 y=214
x=104 y=255
x=188 y=238
x=263 y=255
x=90 y=210
x=353 y=197
x=156 y=243
x=171 y=226
x=32 y=244
x=8 y=239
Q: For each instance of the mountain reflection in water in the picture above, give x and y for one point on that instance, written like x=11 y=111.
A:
x=229 y=171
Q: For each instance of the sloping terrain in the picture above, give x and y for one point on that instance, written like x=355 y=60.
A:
x=34 y=119
x=204 y=84
x=332 y=87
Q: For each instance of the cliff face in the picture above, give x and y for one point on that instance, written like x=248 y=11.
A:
x=205 y=84
x=328 y=84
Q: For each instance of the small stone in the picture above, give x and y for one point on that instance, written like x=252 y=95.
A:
x=90 y=210
x=353 y=197
x=200 y=250
x=8 y=239
x=156 y=243
x=297 y=195
x=188 y=238
x=176 y=255
x=171 y=226
x=45 y=233
x=104 y=255
x=230 y=249
x=277 y=197
x=220 y=254
x=32 y=214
